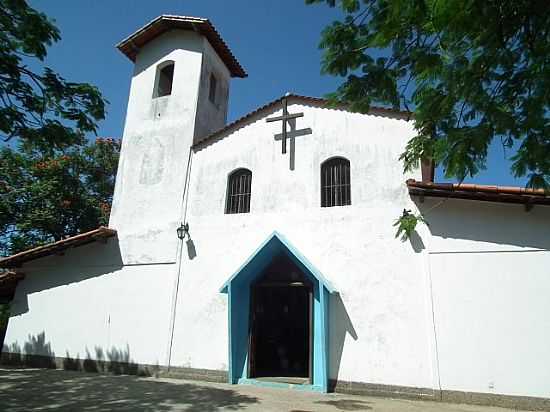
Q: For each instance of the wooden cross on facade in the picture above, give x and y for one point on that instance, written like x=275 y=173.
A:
x=285 y=118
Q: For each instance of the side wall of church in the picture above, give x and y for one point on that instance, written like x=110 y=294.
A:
x=380 y=321
x=489 y=265
x=86 y=305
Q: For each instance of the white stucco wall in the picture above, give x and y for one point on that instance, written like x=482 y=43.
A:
x=86 y=300
x=211 y=116
x=381 y=281
x=157 y=135
x=490 y=274
x=120 y=296
x=436 y=312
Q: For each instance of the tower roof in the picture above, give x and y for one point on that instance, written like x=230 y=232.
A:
x=131 y=45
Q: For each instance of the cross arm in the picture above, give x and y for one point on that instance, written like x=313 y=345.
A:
x=284 y=117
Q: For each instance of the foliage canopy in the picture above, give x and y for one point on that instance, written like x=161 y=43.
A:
x=471 y=71
x=47 y=195
x=39 y=106
x=53 y=183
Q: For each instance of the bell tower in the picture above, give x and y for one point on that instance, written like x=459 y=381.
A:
x=178 y=95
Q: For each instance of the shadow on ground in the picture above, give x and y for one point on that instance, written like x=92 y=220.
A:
x=37 y=389
x=348 y=404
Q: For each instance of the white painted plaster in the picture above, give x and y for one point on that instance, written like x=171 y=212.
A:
x=86 y=300
x=157 y=136
x=212 y=116
x=380 y=279
x=490 y=274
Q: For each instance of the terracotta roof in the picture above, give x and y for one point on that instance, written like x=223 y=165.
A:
x=8 y=283
x=131 y=45
x=243 y=121
x=504 y=194
x=10 y=276
x=57 y=247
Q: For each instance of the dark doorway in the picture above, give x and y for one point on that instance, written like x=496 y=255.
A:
x=280 y=334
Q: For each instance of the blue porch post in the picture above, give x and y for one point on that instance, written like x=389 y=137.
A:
x=230 y=374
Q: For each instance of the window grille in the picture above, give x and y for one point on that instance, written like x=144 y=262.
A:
x=335 y=182
x=238 y=192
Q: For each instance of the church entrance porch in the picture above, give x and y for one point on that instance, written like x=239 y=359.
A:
x=280 y=332
x=278 y=305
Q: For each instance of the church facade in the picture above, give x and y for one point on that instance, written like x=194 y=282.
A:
x=262 y=251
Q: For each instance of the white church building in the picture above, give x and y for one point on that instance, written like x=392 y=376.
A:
x=263 y=251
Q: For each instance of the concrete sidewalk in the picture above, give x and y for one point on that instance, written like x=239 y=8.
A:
x=47 y=390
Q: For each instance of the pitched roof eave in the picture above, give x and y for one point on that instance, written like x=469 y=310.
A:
x=56 y=247
x=501 y=194
x=8 y=282
x=321 y=102
x=131 y=45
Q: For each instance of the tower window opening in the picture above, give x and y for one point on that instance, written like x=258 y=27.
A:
x=212 y=88
x=165 y=79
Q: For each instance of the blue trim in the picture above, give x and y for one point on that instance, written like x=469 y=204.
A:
x=323 y=350
x=229 y=330
x=289 y=247
x=282 y=385
x=238 y=290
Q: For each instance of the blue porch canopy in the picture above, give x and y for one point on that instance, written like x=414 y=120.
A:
x=237 y=287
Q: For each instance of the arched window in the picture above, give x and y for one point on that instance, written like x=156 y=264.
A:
x=165 y=77
x=335 y=182
x=238 y=191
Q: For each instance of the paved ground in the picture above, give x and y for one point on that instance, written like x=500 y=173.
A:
x=47 y=390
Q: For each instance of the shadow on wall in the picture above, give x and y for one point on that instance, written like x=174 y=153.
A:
x=191 y=250
x=416 y=242
x=37 y=353
x=33 y=389
x=115 y=361
x=340 y=325
x=85 y=262
x=505 y=224
x=291 y=136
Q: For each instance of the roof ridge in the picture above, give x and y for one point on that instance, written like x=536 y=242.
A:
x=319 y=100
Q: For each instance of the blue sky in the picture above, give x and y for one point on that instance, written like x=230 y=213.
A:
x=275 y=41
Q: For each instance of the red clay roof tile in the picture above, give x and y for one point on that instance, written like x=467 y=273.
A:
x=56 y=247
x=131 y=45
x=504 y=194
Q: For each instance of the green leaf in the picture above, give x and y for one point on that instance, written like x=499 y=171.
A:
x=406 y=224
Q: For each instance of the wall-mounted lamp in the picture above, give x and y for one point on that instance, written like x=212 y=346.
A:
x=183 y=230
